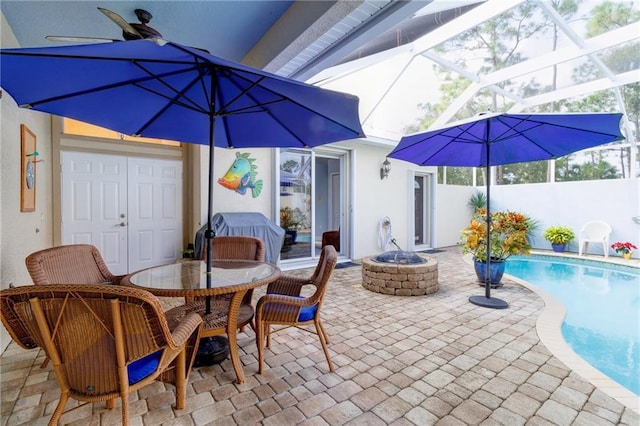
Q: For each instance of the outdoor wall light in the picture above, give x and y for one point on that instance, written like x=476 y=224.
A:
x=385 y=169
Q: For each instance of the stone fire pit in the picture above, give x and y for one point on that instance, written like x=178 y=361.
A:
x=400 y=279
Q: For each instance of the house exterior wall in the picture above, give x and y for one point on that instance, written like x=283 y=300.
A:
x=226 y=200
x=21 y=232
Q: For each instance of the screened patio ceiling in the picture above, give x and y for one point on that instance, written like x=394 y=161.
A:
x=392 y=81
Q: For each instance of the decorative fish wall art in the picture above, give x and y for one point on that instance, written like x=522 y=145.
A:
x=242 y=176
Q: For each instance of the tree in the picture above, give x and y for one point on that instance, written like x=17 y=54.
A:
x=498 y=44
x=594 y=168
x=455 y=176
x=606 y=17
x=289 y=166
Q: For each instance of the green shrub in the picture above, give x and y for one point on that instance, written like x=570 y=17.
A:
x=559 y=234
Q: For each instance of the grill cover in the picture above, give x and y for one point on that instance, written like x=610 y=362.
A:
x=246 y=224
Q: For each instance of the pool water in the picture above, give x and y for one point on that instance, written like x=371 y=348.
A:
x=603 y=310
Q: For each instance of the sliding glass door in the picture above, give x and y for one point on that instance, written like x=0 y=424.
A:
x=296 y=214
x=312 y=201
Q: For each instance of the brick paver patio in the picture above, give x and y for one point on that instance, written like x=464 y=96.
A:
x=422 y=360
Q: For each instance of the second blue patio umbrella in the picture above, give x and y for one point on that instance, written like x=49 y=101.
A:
x=500 y=138
x=160 y=89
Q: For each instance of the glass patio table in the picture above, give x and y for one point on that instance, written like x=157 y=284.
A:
x=230 y=280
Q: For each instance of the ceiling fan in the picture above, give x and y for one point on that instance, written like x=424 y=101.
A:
x=130 y=31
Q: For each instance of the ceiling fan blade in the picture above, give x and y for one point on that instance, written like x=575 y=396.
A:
x=126 y=27
x=73 y=39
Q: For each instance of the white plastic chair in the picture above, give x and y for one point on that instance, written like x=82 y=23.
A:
x=595 y=231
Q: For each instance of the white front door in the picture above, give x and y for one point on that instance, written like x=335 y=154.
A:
x=129 y=208
x=94 y=205
x=155 y=212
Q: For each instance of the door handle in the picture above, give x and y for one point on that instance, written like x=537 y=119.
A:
x=121 y=224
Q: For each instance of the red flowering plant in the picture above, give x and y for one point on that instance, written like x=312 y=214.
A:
x=510 y=232
x=623 y=247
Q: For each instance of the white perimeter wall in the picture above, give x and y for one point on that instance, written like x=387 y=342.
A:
x=452 y=213
x=567 y=203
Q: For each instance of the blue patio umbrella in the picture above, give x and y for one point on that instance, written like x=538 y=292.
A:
x=160 y=89
x=499 y=138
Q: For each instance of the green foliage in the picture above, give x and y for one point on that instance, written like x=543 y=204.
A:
x=609 y=15
x=289 y=166
x=559 y=234
x=596 y=169
x=292 y=219
x=510 y=235
x=455 y=176
x=477 y=201
x=531 y=172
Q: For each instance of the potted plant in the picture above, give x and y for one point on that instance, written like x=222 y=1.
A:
x=624 y=248
x=510 y=233
x=559 y=237
x=292 y=220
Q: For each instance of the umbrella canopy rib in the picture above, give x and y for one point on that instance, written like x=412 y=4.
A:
x=173 y=101
x=244 y=91
x=191 y=104
x=134 y=82
x=8 y=52
x=247 y=92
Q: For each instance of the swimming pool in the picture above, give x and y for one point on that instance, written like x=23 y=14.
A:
x=602 y=300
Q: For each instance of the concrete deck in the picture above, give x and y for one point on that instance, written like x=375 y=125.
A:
x=435 y=359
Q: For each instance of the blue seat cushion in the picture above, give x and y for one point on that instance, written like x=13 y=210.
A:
x=143 y=367
x=307 y=313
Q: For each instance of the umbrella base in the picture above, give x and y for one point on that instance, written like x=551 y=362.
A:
x=212 y=350
x=488 y=302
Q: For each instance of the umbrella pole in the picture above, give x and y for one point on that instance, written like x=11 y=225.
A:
x=487 y=301
x=209 y=234
x=487 y=264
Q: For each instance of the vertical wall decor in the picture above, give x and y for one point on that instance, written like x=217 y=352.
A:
x=242 y=176
x=28 y=155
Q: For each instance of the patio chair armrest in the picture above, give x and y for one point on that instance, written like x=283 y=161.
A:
x=283 y=299
x=186 y=328
x=281 y=308
x=288 y=285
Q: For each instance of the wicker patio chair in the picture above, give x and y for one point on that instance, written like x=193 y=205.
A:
x=104 y=341
x=69 y=264
x=287 y=303
x=237 y=247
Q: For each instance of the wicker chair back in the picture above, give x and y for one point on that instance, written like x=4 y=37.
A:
x=104 y=341
x=69 y=264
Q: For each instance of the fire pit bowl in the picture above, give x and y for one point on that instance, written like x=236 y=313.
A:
x=399 y=257
x=400 y=273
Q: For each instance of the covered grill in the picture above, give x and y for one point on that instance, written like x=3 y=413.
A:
x=251 y=224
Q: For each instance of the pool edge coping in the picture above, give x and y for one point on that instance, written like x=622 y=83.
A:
x=549 y=329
